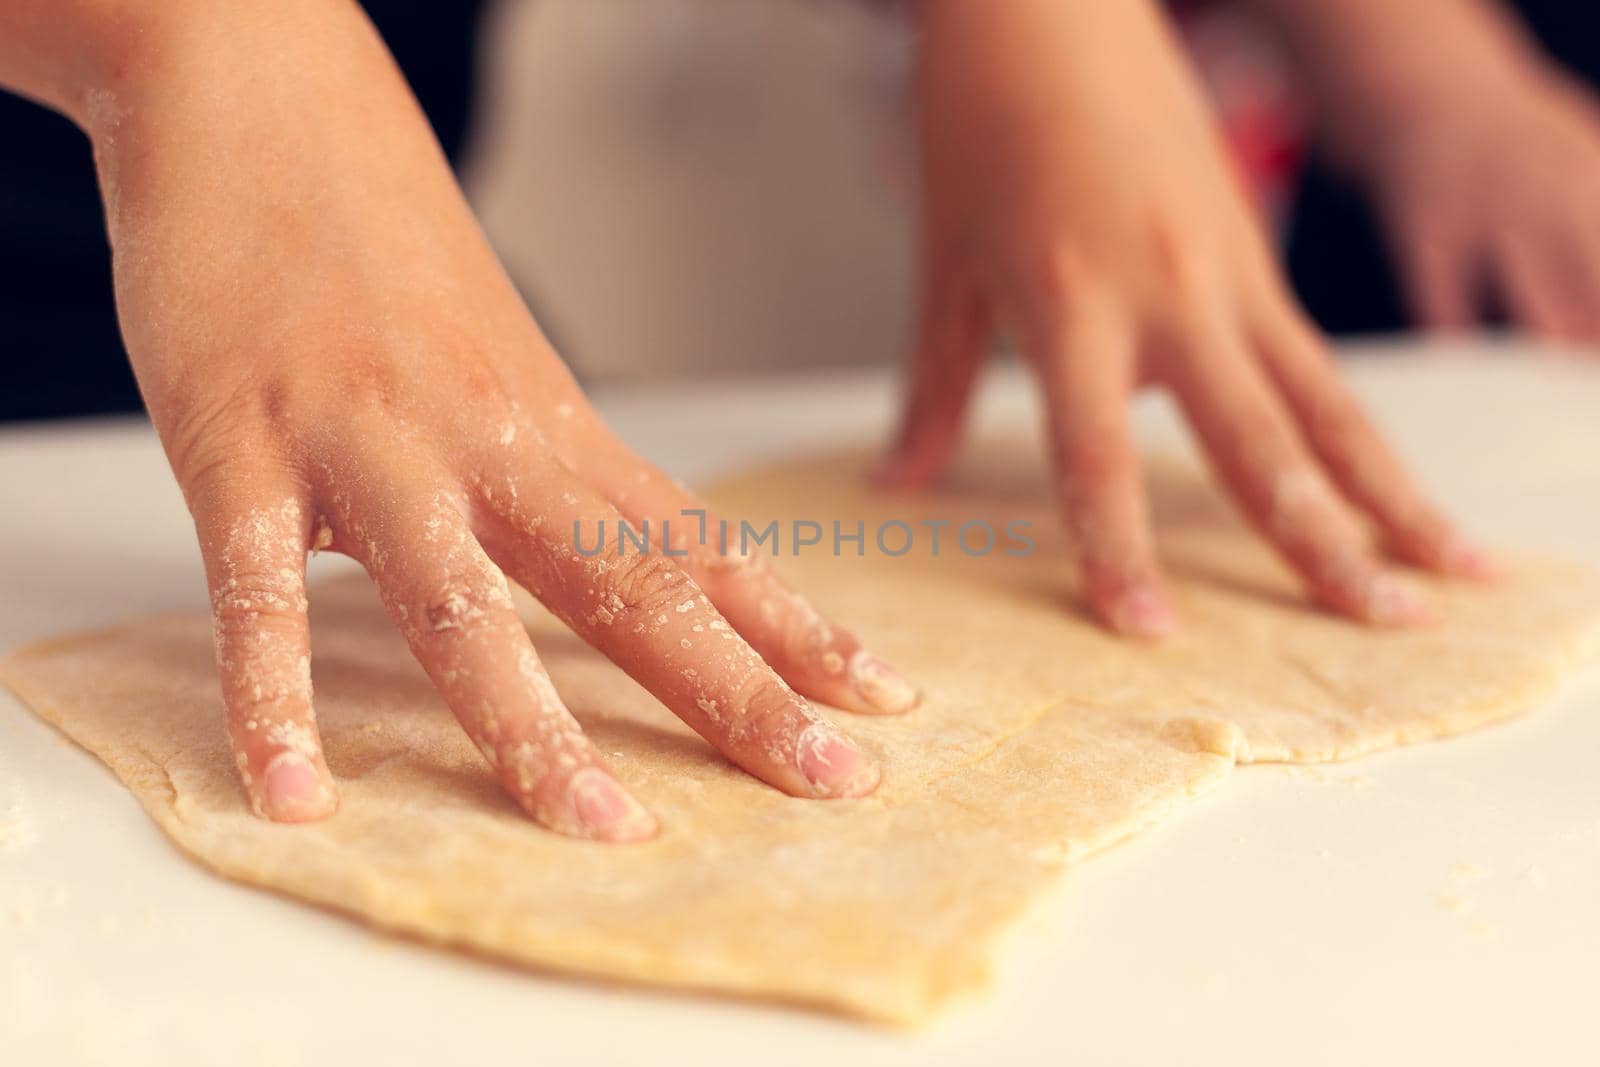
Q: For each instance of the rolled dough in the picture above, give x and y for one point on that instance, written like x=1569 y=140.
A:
x=1041 y=740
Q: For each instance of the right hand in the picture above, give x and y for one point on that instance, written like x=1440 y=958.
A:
x=334 y=358
x=1074 y=195
x=1480 y=154
x=1490 y=188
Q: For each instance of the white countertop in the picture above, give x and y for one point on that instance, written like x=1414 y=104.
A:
x=1433 y=905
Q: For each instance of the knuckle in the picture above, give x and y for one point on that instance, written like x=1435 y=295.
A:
x=1092 y=457
x=1186 y=269
x=799 y=633
x=251 y=598
x=254 y=560
x=1262 y=440
x=767 y=712
x=1299 y=508
x=1341 y=570
x=1050 y=279
x=1192 y=296
x=205 y=436
x=359 y=384
x=641 y=589
x=451 y=607
x=356 y=383
x=1335 y=423
x=457 y=602
x=261 y=649
x=270 y=697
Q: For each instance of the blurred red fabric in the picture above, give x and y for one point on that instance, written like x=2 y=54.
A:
x=1263 y=117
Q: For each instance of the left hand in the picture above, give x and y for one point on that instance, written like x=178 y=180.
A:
x=1075 y=195
x=1491 y=195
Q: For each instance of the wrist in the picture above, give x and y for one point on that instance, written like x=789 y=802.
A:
x=301 y=93
x=157 y=56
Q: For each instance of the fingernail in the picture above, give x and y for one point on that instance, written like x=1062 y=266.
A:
x=1393 y=602
x=879 y=685
x=292 y=790
x=1144 y=612
x=606 y=810
x=833 y=765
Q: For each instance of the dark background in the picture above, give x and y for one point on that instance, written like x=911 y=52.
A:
x=60 y=352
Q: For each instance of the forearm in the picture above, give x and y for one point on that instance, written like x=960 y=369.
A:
x=232 y=132
x=1066 y=57
x=86 y=58
x=1373 y=66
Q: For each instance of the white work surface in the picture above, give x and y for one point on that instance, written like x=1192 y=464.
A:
x=1432 y=905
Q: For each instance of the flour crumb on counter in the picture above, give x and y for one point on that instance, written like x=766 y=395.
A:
x=1464 y=872
x=18 y=831
x=1209 y=983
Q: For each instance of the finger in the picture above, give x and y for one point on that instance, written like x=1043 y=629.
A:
x=1437 y=278
x=1352 y=450
x=1253 y=445
x=1584 y=284
x=817 y=657
x=1085 y=367
x=1569 y=258
x=951 y=339
x=649 y=616
x=1534 y=290
x=255 y=556
x=821 y=659
x=455 y=610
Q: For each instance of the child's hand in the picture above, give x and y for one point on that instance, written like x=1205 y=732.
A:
x=334 y=358
x=1481 y=155
x=1491 y=193
x=1076 y=198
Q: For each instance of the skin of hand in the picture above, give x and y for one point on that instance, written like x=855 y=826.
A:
x=334 y=358
x=1481 y=156
x=1074 y=196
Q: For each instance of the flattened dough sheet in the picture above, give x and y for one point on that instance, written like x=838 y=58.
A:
x=1040 y=741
